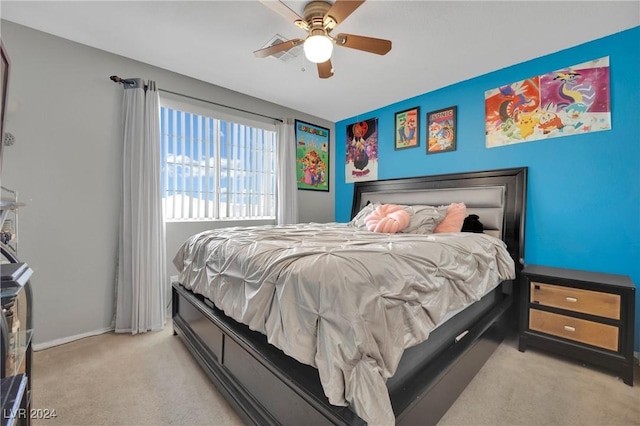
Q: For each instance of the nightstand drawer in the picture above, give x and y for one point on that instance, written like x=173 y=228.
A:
x=578 y=300
x=589 y=332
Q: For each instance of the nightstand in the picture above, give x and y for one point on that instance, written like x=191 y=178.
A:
x=588 y=316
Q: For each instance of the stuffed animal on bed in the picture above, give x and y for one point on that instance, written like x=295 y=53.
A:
x=472 y=224
x=388 y=218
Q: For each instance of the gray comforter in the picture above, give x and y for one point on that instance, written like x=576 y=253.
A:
x=343 y=300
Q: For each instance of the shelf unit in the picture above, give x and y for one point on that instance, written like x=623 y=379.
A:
x=9 y=205
x=16 y=325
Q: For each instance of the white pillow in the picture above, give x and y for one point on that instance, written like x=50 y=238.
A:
x=424 y=219
x=359 y=219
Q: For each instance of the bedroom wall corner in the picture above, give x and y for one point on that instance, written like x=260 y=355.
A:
x=66 y=164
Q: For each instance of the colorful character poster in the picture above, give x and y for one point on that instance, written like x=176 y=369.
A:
x=407 y=134
x=441 y=128
x=567 y=102
x=362 y=151
x=312 y=156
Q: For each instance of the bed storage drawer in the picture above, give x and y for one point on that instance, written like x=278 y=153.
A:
x=267 y=387
x=273 y=395
x=589 y=332
x=578 y=300
x=210 y=335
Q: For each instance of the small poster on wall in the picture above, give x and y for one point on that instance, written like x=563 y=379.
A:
x=441 y=128
x=312 y=156
x=406 y=132
x=362 y=151
x=566 y=102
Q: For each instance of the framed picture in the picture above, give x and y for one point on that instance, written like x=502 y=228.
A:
x=406 y=129
x=4 y=86
x=312 y=156
x=441 y=130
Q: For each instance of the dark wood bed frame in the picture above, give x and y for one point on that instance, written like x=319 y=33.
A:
x=267 y=387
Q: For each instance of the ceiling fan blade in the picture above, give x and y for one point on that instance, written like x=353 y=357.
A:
x=282 y=9
x=325 y=69
x=340 y=10
x=367 y=44
x=280 y=47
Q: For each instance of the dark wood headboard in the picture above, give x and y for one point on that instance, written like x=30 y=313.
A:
x=497 y=196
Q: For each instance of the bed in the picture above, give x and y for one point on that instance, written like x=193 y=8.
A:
x=280 y=365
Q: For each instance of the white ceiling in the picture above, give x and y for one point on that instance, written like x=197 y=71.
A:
x=435 y=43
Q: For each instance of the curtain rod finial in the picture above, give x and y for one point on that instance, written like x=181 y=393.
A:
x=115 y=79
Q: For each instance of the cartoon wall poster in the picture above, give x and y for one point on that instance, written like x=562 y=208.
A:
x=560 y=103
x=362 y=151
x=509 y=112
x=407 y=133
x=441 y=130
x=312 y=156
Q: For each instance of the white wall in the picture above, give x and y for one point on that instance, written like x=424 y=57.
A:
x=66 y=166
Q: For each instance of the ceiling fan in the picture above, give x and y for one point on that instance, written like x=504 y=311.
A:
x=320 y=18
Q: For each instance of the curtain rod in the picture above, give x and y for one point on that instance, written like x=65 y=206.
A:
x=119 y=80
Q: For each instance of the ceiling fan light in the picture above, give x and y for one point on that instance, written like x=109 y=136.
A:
x=318 y=48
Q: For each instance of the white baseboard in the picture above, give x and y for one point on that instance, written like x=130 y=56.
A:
x=57 y=342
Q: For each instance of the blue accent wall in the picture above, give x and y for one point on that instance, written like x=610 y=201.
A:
x=583 y=201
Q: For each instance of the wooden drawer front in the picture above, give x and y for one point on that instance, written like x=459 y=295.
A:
x=586 y=301
x=592 y=333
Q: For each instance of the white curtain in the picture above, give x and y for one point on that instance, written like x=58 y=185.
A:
x=141 y=281
x=286 y=186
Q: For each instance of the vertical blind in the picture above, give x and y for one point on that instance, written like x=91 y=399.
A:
x=216 y=168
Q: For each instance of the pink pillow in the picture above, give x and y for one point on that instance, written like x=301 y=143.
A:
x=388 y=218
x=454 y=219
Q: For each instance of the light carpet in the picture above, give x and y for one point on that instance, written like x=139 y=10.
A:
x=152 y=379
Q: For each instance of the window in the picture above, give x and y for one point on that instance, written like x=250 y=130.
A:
x=215 y=168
